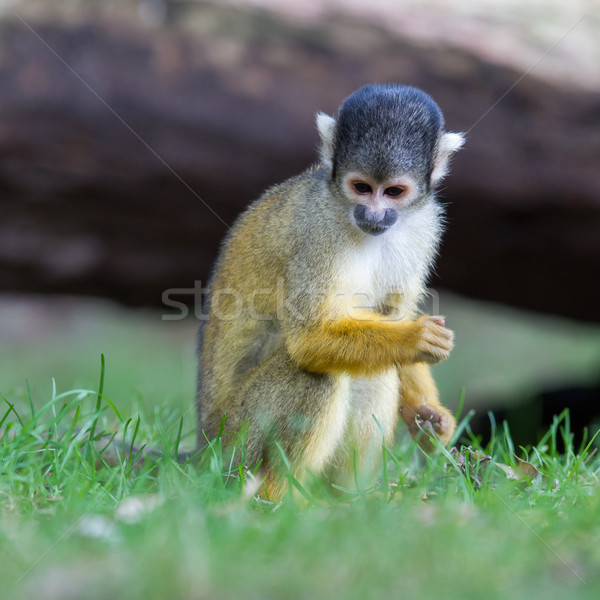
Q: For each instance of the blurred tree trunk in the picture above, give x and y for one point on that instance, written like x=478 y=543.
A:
x=125 y=152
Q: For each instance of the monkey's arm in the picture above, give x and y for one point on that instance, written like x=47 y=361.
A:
x=367 y=343
x=420 y=406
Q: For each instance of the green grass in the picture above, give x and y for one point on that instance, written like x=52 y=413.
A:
x=72 y=527
x=452 y=525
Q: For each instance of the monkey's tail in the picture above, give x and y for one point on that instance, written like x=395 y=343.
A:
x=115 y=450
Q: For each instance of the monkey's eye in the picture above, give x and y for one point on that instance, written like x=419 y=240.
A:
x=394 y=191
x=362 y=188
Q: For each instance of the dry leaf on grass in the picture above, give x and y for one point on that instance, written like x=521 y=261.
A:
x=523 y=470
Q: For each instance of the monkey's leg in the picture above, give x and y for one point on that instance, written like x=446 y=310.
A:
x=287 y=409
x=372 y=419
x=420 y=406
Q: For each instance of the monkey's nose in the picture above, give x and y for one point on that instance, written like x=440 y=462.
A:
x=374 y=222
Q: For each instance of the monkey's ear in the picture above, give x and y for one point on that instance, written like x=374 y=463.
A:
x=449 y=143
x=326 y=128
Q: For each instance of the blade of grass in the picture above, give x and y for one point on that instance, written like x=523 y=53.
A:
x=30 y=397
x=91 y=445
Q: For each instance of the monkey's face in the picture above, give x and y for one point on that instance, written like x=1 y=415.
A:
x=377 y=203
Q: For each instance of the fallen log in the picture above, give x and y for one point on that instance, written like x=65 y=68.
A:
x=126 y=151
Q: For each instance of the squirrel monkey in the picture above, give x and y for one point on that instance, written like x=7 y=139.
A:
x=312 y=327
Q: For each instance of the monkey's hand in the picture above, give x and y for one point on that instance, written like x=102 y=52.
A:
x=427 y=422
x=435 y=342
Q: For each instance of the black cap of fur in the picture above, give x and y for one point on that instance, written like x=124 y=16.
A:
x=387 y=129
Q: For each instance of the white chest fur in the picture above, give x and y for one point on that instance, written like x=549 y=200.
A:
x=397 y=261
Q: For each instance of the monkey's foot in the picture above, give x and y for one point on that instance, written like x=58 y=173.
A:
x=428 y=422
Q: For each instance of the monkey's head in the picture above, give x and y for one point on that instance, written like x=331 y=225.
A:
x=386 y=152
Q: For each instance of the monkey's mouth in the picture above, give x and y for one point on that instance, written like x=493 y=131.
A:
x=372 y=228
